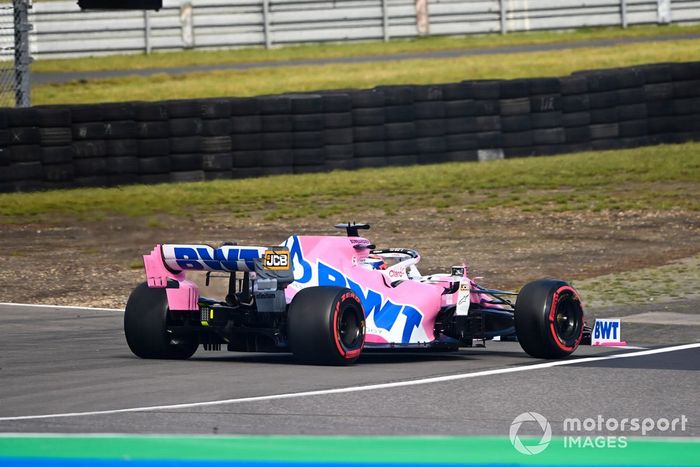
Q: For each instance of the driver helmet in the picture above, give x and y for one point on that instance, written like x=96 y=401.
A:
x=374 y=262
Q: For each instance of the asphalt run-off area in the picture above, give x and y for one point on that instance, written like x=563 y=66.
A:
x=68 y=375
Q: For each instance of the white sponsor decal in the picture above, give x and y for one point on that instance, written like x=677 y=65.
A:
x=606 y=332
x=463 y=298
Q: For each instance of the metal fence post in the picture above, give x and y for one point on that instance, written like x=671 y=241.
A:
x=664 y=11
x=504 y=13
x=187 y=26
x=422 y=18
x=385 y=20
x=266 y=23
x=22 y=57
x=147 y=30
x=623 y=13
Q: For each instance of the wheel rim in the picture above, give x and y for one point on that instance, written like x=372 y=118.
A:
x=568 y=319
x=350 y=327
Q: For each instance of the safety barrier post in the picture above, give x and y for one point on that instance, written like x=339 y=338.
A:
x=504 y=13
x=147 y=30
x=266 y=23
x=385 y=20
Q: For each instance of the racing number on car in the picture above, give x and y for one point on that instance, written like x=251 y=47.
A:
x=276 y=260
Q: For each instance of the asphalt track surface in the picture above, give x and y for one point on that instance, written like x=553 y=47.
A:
x=74 y=365
x=63 y=77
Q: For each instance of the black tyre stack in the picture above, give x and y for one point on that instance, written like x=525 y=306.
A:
x=122 y=144
x=56 y=151
x=630 y=112
x=153 y=142
x=89 y=145
x=4 y=151
x=338 y=131
x=430 y=125
x=487 y=120
x=532 y=119
x=22 y=156
x=516 y=118
x=548 y=134
x=658 y=93
x=308 y=126
x=248 y=155
x=604 y=98
x=460 y=123
x=673 y=102
x=368 y=117
x=686 y=100
x=277 y=137
x=196 y=140
x=400 y=144
x=185 y=129
x=614 y=106
x=217 y=160
x=576 y=115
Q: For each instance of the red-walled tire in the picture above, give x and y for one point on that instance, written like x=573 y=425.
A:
x=326 y=326
x=145 y=320
x=549 y=319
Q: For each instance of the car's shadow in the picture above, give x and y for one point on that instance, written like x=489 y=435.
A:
x=374 y=357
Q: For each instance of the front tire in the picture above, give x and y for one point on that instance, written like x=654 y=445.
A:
x=145 y=321
x=326 y=326
x=549 y=319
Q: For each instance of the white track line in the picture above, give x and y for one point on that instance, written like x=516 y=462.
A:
x=64 y=307
x=369 y=387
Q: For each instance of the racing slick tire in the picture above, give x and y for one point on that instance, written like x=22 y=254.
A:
x=326 y=326
x=548 y=319
x=145 y=326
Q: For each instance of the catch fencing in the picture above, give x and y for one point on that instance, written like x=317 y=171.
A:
x=7 y=56
x=14 y=53
x=223 y=138
x=62 y=30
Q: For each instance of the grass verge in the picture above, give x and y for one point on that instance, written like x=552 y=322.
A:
x=673 y=281
x=353 y=49
x=362 y=75
x=651 y=178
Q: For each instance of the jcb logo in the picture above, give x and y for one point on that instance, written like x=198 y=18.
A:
x=276 y=260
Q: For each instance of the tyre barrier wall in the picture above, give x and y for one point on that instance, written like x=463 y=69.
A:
x=112 y=144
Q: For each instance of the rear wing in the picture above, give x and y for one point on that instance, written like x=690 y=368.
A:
x=229 y=258
x=170 y=261
x=167 y=264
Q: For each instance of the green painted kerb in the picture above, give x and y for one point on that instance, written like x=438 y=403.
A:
x=360 y=449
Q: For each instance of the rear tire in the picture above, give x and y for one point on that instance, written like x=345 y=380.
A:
x=326 y=326
x=549 y=319
x=145 y=327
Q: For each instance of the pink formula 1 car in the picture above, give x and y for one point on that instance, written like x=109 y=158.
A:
x=329 y=298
